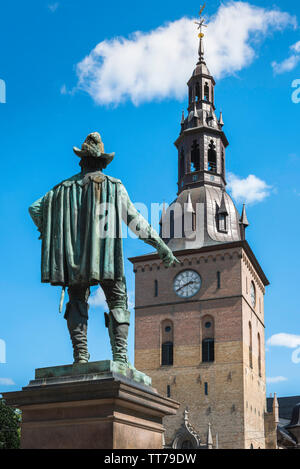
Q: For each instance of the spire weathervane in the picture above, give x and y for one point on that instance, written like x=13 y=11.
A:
x=201 y=23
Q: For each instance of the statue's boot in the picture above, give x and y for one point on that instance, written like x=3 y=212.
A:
x=118 y=334
x=77 y=320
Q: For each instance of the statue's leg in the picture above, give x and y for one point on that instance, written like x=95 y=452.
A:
x=77 y=320
x=118 y=319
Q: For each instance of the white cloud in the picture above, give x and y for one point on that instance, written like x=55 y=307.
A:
x=284 y=340
x=276 y=379
x=7 y=382
x=53 y=7
x=296 y=47
x=290 y=63
x=98 y=300
x=157 y=64
x=249 y=190
x=63 y=89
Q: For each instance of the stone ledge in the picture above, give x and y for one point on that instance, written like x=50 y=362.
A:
x=81 y=372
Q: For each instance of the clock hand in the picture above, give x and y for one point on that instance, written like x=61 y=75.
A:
x=186 y=285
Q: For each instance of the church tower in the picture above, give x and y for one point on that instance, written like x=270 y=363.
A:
x=199 y=326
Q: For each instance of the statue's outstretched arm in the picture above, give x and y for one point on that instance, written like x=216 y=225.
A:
x=144 y=231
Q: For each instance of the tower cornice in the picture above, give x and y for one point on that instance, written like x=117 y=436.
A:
x=202 y=130
x=217 y=247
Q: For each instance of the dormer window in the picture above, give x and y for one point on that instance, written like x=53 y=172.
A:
x=222 y=215
x=222 y=222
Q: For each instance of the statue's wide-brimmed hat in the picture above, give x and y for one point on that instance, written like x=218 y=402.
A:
x=93 y=146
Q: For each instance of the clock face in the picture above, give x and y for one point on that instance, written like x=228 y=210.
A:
x=253 y=295
x=187 y=284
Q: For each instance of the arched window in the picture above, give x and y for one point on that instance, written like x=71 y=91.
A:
x=250 y=346
x=259 y=354
x=167 y=340
x=212 y=157
x=195 y=156
x=187 y=444
x=206 y=92
x=208 y=340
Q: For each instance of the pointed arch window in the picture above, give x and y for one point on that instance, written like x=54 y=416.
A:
x=195 y=156
x=167 y=341
x=212 y=157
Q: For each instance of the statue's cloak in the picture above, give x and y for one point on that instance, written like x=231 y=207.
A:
x=80 y=221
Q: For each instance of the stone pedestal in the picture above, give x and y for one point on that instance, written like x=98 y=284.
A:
x=94 y=406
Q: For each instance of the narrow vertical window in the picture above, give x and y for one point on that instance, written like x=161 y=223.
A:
x=168 y=391
x=172 y=223
x=190 y=95
x=212 y=157
x=167 y=343
x=208 y=340
x=206 y=389
x=206 y=92
x=181 y=165
x=208 y=350
x=250 y=346
x=194 y=221
x=198 y=95
x=259 y=355
x=155 y=288
x=219 y=279
x=195 y=156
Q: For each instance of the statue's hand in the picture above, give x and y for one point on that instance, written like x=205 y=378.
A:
x=167 y=256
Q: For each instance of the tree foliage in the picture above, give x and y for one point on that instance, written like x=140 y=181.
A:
x=9 y=427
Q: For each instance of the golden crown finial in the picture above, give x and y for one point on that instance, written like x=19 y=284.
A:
x=201 y=24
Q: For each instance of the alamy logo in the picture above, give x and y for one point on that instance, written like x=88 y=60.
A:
x=2 y=351
x=296 y=93
x=2 y=92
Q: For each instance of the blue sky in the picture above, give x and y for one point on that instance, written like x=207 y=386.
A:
x=132 y=90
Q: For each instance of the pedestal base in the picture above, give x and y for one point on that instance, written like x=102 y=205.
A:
x=68 y=409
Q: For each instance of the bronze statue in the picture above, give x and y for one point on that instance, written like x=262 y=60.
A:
x=80 y=223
